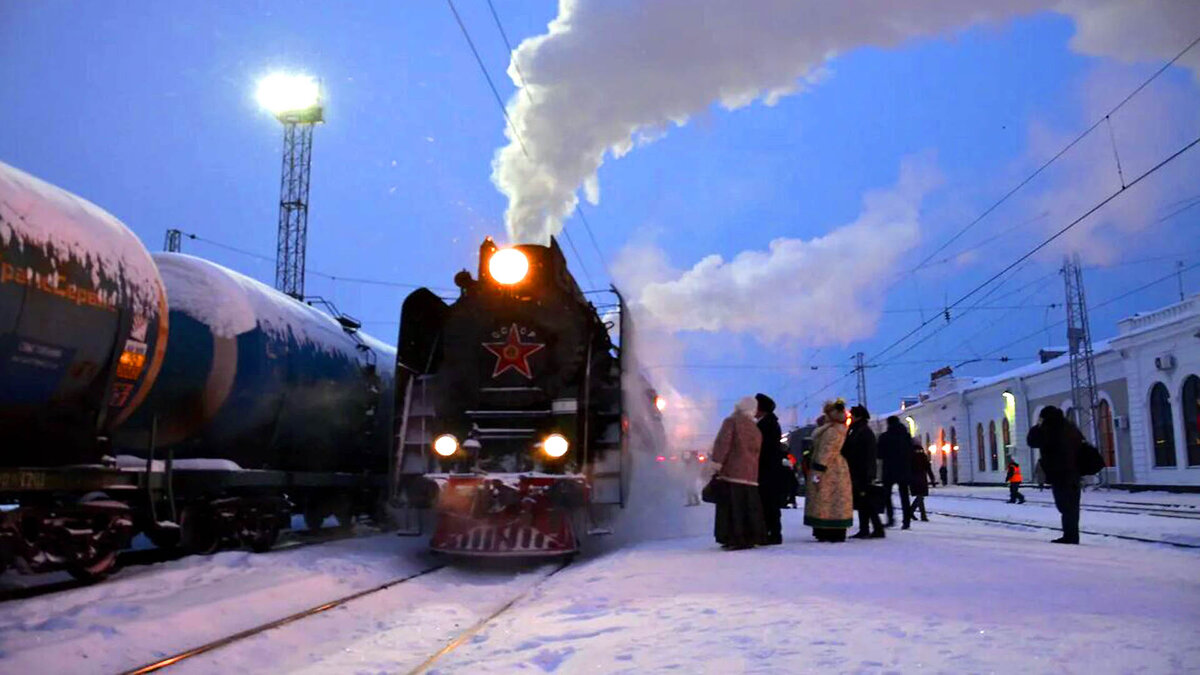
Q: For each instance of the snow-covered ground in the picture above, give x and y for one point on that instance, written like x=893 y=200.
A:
x=1167 y=516
x=951 y=595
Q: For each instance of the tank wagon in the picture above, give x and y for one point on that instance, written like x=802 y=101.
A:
x=166 y=395
x=516 y=409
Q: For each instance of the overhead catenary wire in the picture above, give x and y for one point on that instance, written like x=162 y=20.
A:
x=1046 y=242
x=1059 y=154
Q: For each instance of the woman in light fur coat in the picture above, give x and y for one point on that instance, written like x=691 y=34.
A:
x=739 y=522
x=829 y=501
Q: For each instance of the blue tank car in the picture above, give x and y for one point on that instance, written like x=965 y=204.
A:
x=259 y=379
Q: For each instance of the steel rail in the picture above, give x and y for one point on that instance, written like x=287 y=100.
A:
x=262 y=628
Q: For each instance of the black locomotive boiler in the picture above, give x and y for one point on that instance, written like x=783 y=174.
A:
x=515 y=407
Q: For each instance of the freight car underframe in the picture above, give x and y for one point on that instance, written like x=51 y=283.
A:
x=78 y=518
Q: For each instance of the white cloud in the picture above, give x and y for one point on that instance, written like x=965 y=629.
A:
x=826 y=290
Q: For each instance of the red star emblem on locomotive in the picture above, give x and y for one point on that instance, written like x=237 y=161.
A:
x=513 y=354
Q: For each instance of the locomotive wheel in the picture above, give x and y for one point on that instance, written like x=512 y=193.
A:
x=198 y=533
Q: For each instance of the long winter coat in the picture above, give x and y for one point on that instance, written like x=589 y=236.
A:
x=736 y=450
x=922 y=473
x=895 y=449
x=1060 y=451
x=828 y=500
x=860 y=452
x=773 y=482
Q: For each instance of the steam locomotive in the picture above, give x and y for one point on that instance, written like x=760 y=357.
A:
x=517 y=412
x=167 y=395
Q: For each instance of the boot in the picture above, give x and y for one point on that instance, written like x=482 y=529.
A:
x=877 y=534
x=861 y=534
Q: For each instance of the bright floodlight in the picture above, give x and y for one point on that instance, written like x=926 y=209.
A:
x=508 y=266
x=660 y=403
x=281 y=93
x=555 y=445
x=445 y=445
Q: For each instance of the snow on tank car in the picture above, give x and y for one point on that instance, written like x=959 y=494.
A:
x=83 y=326
x=264 y=403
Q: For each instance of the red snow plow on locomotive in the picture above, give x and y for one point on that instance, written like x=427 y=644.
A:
x=514 y=408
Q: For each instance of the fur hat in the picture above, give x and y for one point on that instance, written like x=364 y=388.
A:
x=765 y=403
x=859 y=412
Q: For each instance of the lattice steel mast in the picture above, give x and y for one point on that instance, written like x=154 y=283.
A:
x=295 y=100
x=861 y=370
x=1079 y=348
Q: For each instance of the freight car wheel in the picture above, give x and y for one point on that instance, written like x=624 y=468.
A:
x=314 y=516
x=97 y=570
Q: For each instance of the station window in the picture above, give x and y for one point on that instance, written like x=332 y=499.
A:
x=1108 y=439
x=992 y=445
x=1191 y=418
x=979 y=446
x=1162 y=426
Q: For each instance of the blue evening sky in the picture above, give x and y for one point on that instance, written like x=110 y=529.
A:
x=148 y=110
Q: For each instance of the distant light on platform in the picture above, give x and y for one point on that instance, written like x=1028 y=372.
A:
x=660 y=403
x=445 y=445
x=508 y=266
x=281 y=93
x=555 y=445
x=946 y=449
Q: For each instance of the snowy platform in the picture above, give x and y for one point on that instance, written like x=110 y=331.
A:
x=952 y=595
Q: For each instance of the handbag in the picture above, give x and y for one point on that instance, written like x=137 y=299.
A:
x=1089 y=461
x=717 y=490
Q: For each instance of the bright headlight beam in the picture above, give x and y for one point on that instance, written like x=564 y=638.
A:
x=508 y=266
x=283 y=93
x=555 y=445
x=445 y=445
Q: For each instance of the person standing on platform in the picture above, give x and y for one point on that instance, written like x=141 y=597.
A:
x=860 y=453
x=922 y=478
x=895 y=449
x=1013 y=478
x=772 y=482
x=1039 y=475
x=739 y=521
x=943 y=472
x=1060 y=442
x=829 y=497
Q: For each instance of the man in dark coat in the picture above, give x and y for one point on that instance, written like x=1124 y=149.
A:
x=860 y=453
x=895 y=448
x=922 y=478
x=772 y=482
x=1060 y=442
x=943 y=471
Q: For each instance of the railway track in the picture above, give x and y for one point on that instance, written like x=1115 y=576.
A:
x=998 y=521
x=459 y=640
x=151 y=556
x=1127 y=508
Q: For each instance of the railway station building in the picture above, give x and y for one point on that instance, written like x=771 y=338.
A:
x=1148 y=387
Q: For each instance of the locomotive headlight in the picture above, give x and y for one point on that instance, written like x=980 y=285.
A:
x=508 y=266
x=660 y=403
x=555 y=445
x=445 y=445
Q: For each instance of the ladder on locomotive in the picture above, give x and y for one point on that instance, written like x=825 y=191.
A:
x=413 y=441
x=607 y=458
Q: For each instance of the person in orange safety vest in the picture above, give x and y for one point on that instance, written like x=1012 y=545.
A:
x=1013 y=478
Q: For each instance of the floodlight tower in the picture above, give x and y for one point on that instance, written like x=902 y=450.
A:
x=295 y=100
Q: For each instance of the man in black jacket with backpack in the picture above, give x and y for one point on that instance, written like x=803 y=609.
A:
x=1061 y=444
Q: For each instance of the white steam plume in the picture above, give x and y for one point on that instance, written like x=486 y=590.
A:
x=819 y=291
x=610 y=75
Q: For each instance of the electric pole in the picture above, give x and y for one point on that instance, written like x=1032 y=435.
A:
x=860 y=369
x=1079 y=346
